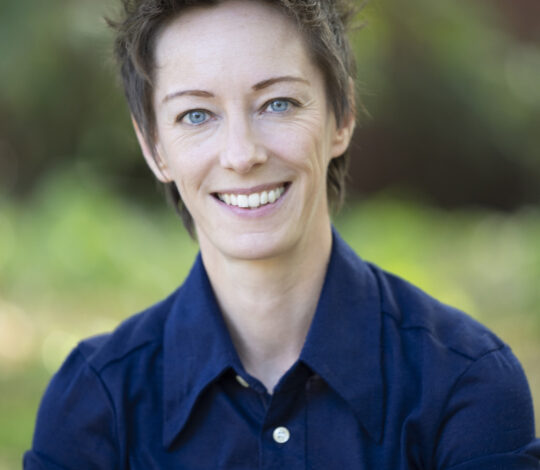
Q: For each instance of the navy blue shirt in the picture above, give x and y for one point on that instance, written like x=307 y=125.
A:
x=388 y=378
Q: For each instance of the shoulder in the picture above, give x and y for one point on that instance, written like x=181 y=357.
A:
x=411 y=310
x=421 y=324
x=467 y=392
x=138 y=334
x=113 y=354
x=83 y=401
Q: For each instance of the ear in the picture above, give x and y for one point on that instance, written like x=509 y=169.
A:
x=343 y=134
x=153 y=158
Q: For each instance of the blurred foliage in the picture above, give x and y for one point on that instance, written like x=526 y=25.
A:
x=451 y=87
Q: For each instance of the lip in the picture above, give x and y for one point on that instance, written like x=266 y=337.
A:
x=260 y=211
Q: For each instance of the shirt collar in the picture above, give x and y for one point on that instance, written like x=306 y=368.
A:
x=343 y=345
x=197 y=350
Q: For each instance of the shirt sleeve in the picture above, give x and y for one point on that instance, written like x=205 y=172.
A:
x=75 y=427
x=488 y=423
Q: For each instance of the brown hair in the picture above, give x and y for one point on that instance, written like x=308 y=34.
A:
x=323 y=24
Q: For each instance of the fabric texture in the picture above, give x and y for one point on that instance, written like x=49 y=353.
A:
x=389 y=378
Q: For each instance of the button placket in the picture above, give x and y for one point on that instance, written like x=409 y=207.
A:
x=283 y=434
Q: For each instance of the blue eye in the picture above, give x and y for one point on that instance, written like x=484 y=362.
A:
x=195 y=117
x=279 y=105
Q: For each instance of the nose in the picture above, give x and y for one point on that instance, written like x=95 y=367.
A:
x=240 y=150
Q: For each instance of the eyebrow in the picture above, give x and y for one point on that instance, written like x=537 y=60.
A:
x=176 y=94
x=272 y=81
x=258 y=86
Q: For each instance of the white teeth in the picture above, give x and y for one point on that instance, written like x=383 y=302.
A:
x=252 y=200
x=243 y=200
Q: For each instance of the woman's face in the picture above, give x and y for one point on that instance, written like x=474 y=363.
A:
x=244 y=129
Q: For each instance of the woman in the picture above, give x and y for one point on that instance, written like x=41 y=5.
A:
x=282 y=349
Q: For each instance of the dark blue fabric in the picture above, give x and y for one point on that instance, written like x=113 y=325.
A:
x=388 y=378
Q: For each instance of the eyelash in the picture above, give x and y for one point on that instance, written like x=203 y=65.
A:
x=264 y=108
x=182 y=116
x=290 y=101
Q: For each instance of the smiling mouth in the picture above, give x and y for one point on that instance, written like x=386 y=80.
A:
x=253 y=200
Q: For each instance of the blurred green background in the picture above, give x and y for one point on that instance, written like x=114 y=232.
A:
x=445 y=185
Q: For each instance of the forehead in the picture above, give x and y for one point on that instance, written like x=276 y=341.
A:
x=239 y=38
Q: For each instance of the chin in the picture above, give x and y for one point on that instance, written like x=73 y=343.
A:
x=253 y=246
x=259 y=248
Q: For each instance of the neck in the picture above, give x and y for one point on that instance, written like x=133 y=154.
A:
x=268 y=304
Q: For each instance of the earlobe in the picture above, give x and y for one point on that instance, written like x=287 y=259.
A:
x=153 y=158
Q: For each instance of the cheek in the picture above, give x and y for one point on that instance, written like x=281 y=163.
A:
x=302 y=148
x=189 y=161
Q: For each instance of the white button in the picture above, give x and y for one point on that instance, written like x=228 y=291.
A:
x=281 y=435
x=242 y=381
